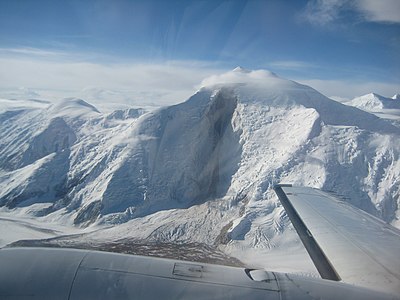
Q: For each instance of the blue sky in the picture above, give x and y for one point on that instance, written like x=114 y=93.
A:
x=340 y=47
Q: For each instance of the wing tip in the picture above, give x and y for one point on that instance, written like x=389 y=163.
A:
x=321 y=262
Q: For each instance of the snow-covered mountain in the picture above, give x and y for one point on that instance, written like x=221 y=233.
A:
x=201 y=171
x=375 y=102
x=383 y=107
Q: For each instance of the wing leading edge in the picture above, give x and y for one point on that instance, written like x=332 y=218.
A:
x=345 y=243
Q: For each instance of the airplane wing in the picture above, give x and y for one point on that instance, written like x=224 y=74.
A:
x=345 y=243
x=72 y=274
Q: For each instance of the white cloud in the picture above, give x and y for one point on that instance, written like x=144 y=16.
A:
x=324 y=12
x=29 y=51
x=380 y=10
x=155 y=84
x=239 y=75
x=133 y=83
x=291 y=64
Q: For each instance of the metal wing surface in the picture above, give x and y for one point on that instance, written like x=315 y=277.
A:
x=344 y=242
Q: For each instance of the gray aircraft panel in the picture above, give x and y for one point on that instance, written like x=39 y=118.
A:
x=346 y=243
x=44 y=274
x=362 y=249
x=53 y=273
x=154 y=278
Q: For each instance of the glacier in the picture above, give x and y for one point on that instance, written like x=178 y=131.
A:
x=198 y=172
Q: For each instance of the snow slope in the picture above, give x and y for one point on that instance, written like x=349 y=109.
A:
x=201 y=171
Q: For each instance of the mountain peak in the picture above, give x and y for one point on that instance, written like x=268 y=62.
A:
x=375 y=102
x=241 y=70
x=374 y=95
x=73 y=107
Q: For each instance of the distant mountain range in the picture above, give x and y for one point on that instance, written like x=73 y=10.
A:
x=201 y=171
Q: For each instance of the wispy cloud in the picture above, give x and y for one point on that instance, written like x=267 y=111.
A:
x=380 y=11
x=28 y=51
x=291 y=64
x=350 y=89
x=159 y=84
x=52 y=74
x=324 y=12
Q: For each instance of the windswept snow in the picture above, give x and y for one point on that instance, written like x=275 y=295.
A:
x=72 y=107
x=201 y=171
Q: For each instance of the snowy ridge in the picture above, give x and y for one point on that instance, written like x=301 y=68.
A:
x=387 y=108
x=375 y=102
x=201 y=171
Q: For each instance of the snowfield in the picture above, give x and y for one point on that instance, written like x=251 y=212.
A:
x=201 y=171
